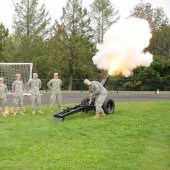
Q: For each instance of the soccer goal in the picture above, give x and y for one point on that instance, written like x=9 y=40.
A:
x=9 y=70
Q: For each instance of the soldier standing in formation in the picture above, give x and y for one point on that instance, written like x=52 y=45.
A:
x=3 y=98
x=100 y=93
x=55 y=86
x=17 y=89
x=35 y=85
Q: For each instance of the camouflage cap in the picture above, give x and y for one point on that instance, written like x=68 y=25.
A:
x=1 y=79
x=35 y=74
x=85 y=81
x=18 y=75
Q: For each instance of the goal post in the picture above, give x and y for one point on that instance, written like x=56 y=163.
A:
x=9 y=70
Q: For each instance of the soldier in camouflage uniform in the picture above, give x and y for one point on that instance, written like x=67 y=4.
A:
x=55 y=85
x=3 y=98
x=17 y=89
x=35 y=84
x=100 y=93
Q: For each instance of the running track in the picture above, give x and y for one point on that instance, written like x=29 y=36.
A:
x=76 y=97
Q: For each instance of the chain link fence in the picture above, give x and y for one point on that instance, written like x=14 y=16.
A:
x=118 y=85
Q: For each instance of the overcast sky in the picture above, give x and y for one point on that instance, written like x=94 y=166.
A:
x=55 y=8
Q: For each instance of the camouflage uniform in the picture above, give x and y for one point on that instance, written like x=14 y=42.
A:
x=3 y=98
x=17 y=89
x=97 y=90
x=55 y=85
x=35 y=85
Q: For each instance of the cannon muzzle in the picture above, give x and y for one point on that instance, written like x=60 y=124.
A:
x=105 y=81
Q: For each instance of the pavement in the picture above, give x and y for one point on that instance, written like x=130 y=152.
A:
x=77 y=96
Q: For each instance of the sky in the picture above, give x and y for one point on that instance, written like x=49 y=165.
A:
x=55 y=8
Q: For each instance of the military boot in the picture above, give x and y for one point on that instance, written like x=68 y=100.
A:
x=52 y=109
x=15 y=111
x=96 y=116
x=33 y=112
x=21 y=110
x=22 y=113
x=102 y=114
x=4 y=114
x=39 y=111
x=6 y=110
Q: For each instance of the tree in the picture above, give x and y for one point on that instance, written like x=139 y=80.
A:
x=73 y=41
x=3 y=37
x=103 y=15
x=30 y=21
x=11 y=50
x=155 y=16
x=58 y=53
x=160 y=42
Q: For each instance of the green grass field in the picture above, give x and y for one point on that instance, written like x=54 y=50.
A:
x=135 y=137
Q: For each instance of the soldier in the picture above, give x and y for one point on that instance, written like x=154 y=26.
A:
x=3 y=98
x=17 y=89
x=35 y=85
x=55 y=85
x=100 y=93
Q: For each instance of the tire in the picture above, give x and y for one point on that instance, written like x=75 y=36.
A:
x=85 y=101
x=108 y=106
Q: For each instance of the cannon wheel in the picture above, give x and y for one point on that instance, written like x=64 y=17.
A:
x=108 y=106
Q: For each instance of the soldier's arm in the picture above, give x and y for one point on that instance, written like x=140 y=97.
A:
x=95 y=89
x=92 y=96
x=13 y=87
x=93 y=93
x=49 y=84
x=61 y=83
x=6 y=89
x=22 y=85
x=29 y=83
x=40 y=84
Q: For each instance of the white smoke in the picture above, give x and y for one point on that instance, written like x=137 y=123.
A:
x=122 y=47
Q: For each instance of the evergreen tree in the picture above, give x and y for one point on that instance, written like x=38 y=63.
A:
x=3 y=37
x=30 y=21
x=74 y=38
x=103 y=15
x=155 y=16
x=160 y=43
x=11 y=52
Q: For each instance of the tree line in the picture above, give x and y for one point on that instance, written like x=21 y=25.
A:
x=68 y=45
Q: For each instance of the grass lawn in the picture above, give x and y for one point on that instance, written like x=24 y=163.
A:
x=135 y=137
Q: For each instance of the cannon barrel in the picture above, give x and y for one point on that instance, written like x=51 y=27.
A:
x=105 y=81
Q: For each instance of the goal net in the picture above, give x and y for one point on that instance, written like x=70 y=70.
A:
x=9 y=70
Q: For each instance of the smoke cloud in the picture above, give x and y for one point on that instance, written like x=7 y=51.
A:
x=122 y=48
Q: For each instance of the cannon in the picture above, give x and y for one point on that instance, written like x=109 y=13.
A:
x=108 y=105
